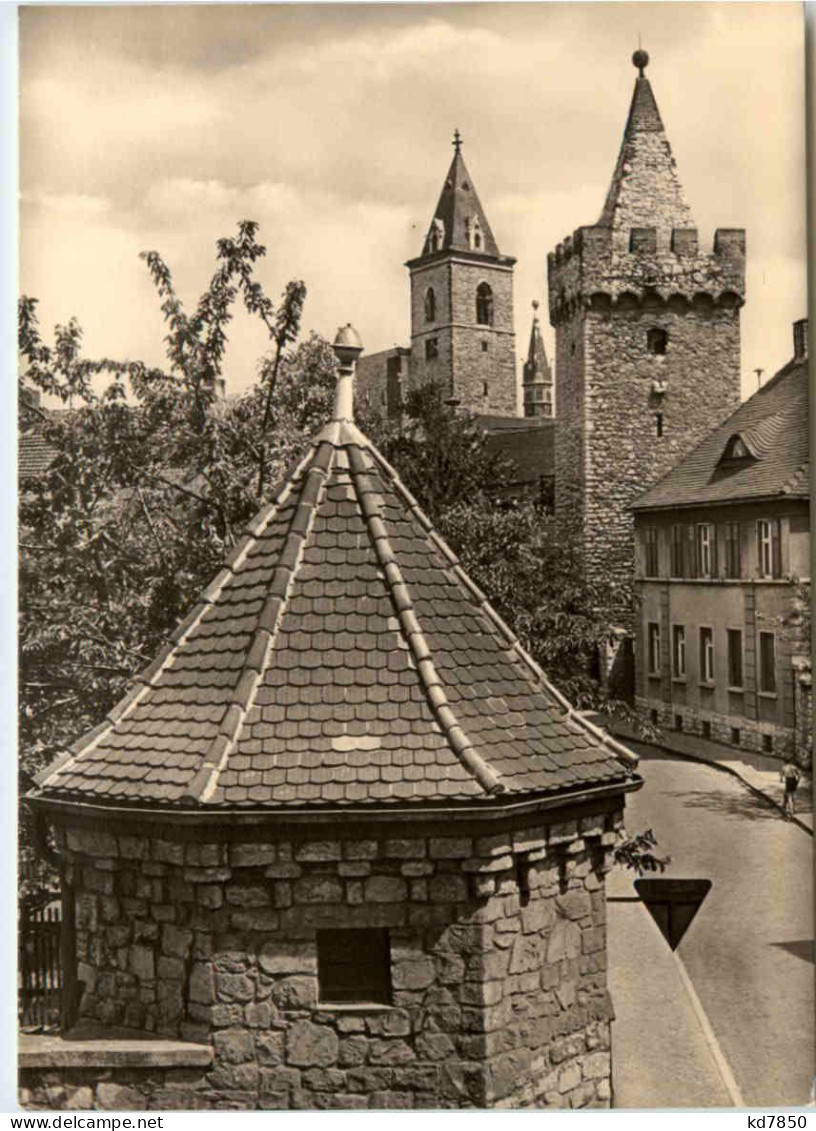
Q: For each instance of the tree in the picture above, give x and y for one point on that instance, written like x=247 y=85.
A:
x=152 y=482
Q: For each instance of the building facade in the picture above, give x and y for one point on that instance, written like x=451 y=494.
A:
x=723 y=550
x=647 y=329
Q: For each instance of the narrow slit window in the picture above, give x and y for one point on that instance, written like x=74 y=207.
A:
x=767 y=662
x=658 y=421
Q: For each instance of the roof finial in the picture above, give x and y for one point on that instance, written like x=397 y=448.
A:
x=347 y=348
x=457 y=140
x=641 y=59
x=535 y=310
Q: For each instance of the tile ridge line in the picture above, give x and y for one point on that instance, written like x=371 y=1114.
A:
x=205 y=781
x=499 y=626
x=400 y=596
x=148 y=677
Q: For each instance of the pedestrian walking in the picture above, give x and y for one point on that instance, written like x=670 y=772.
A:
x=790 y=776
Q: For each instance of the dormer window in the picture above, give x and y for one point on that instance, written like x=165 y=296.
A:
x=430 y=305
x=484 y=305
x=657 y=341
x=436 y=236
x=736 y=448
x=473 y=233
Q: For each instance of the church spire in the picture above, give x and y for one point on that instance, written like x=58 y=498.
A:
x=537 y=378
x=459 y=222
x=645 y=190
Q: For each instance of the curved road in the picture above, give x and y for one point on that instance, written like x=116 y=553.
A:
x=749 y=952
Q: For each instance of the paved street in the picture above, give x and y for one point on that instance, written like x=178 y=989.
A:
x=748 y=952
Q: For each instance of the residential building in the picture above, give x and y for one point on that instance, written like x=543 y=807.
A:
x=723 y=546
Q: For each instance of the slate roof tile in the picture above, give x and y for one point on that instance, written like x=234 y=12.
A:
x=312 y=675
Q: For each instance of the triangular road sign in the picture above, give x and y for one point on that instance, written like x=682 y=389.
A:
x=673 y=904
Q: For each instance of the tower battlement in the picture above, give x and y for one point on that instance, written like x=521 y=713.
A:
x=595 y=264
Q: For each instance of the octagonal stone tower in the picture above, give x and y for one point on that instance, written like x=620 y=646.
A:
x=343 y=830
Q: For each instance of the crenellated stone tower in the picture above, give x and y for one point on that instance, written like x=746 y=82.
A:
x=647 y=339
x=462 y=302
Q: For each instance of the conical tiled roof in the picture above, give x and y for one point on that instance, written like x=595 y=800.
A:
x=459 y=215
x=341 y=658
x=536 y=367
x=645 y=191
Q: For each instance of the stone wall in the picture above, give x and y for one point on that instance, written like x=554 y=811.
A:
x=498 y=961
x=751 y=731
x=152 y=1088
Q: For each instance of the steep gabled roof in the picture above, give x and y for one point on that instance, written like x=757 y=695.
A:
x=645 y=191
x=536 y=367
x=773 y=426
x=340 y=658
x=460 y=212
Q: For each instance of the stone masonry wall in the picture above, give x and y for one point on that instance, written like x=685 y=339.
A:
x=153 y=1088
x=751 y=731
x=497 y=962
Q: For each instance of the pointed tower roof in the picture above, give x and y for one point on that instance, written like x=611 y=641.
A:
x=459 y=222
x=340 y=660
x=536 y=366
x=645 y=191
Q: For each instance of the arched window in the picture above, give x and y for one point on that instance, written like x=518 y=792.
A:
x=657 y=341
x=484 y=305
x=430 y=305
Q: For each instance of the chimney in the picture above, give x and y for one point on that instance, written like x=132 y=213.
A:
x=800 y=339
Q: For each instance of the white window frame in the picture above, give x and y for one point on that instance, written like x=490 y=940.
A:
x=707 y=654
x=678 y=651
x=653 y=654
x=765 y=538
x=704 y=548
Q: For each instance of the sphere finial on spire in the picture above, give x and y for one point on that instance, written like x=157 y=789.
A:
x=641 y=60
x=535 y=309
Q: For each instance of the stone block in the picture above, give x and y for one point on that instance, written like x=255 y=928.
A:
x=416 y=869
x=389 y=1023
x=79 y=1099
x=389 y=1052
x=413 y=973
x=569 y=1077
x=283 y=894
x=226 y=1077
x=118 y=1097
x=448 y=888
x=234 y=988
x=269 y=1048
x=323 y=1079
x=390 y=1101
x=591 y=826
x=481 y=887
x=201 y=986
x=404 y=848
x=354 y=868
x=418 y=891
x=233 y=1046
x=562 y=832
x=465 y=1083
x=488 y=864
x=168 y=852
x=118 y=936
x=318 y=889
x=204 y=855
x=385 y=889
x=450 y=848
x=176 y=941
x=170 y=969
x=354 y=892
x=133 y=847
x=597 y=1066
x=298 y=992
x=353 y=1051
x=311 y=1046
x=368 y=1080
x=434 y=1046
x=142 y=963
x=257 y=1014
x=222 y=1015
x=210 y=896
x=576 y=847
x=360 y=849
x=350 y=1024
x=252 y=855
x=318 y=851
x=90 y=842
x=288 y=956
x=574 y=904
x=255 y=919
x=207 y=875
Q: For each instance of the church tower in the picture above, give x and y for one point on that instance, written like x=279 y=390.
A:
x=647 y=330
x=537 y=381
x=462 y=302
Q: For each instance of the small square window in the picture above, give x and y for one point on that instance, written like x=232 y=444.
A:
x=484 y=347
x=706 y=728
x=354 y=966
x=735 y=736
x=431 y=349
x=678 y=722
x=653 y=716
x=767 y=743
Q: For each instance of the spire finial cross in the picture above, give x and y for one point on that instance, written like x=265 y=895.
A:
x=457 y=140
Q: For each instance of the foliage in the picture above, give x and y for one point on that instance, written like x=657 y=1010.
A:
x=153 y=479
x=637 y=852
x=528 y=566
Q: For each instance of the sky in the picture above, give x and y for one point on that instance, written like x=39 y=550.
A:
x=161 y=127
